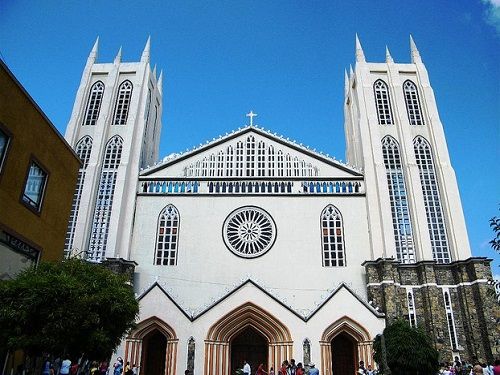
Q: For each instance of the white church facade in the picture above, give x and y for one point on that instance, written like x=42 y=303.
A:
x=255 y=247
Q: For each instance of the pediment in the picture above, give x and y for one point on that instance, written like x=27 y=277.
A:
x=250 y=153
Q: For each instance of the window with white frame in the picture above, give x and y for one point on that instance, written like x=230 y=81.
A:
x=94 y=103
x=104 y=199
x=167 y=237
x=412 y=103
x=122 y=105
x=34 y=187
x=83 y=149
x=412 y=315
x=382 y=102
x=450 y=319
x=4 y=145
x=403 y=234
x=280 y=163
x=271 y=161
x=332 y=235
x=261 y=159
x=432 y=201
x=288 y=165
x=229 y=161
x=220 y=163
x=212 y=165
x=239 y=159
x=250 y=156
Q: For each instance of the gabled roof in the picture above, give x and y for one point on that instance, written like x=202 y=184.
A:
x=176 y=158
x=193 y=317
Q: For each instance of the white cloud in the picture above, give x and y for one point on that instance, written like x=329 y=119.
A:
x=492 y=13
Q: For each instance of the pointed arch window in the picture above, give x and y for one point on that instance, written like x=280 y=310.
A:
x=332 y=235
x=450 y=319
x=432 y=200
x=239 y=159
x=403 y=234
x=94 y=103
x=122 y=105
x=212 y=165
x=271 y=161
x=280 y=164
x=383 y=103
x=412 y=103
x=83 y=149
x=288 y=165
x=220 y=163
x=229 y=161
x=261 y=159
x=167 y=237
x=104 y=199
x=250 y=156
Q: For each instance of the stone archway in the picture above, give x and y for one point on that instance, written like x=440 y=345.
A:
x=153 y=346
x=245 y=317
x=352 y=343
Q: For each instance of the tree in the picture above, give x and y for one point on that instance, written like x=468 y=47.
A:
x=66 y=308
x=495 y=244
x=409 y=351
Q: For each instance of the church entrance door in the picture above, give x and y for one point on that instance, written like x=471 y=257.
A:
x=154 y=353
x=344 y=355
x=248 y=345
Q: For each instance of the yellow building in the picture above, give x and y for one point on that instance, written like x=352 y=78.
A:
x=38 y=172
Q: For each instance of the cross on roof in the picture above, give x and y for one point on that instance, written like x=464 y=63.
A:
x=251 y=115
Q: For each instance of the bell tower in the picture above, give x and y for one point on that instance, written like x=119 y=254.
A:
x=394 y=134
x=115 y=129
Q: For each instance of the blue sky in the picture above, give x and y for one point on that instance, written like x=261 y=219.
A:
x=283 y=59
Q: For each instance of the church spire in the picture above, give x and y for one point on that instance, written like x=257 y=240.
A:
x=147 y=50
x=93 y=54
x=154 y=71
x=415 y=55
x=388 y=57
x=118 y=58
x=160 y=82
x=351 y=73
x=360 y=55
x=346 y=79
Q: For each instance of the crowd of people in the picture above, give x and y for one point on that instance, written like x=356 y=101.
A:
x=287 y=368
x=465 y=368
x=86 y=367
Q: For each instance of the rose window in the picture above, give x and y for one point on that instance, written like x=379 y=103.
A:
x=249 y=232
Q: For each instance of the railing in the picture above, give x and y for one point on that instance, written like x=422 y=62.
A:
x=306 y=187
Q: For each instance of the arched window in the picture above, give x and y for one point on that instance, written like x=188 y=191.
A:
x=212 y=165
x=94 y=103
x=82 y=149
x=104 y=199
x=229 y=161
x=412 y=315
x=332 y=236
x=403 y=234
x=432 y=201
x=220 y=163
x=239 y=159
x=204 y=167
x=382 y=102
x=280 y=163
x=167 y=237
x=288 y=165
x=122 y=103
x=250 y=156
x=271 y=161
x=412 y=103
x=261 y=159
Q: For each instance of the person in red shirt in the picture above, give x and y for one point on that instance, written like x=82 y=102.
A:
x=496 y=368
x=300 y=369
x=260 y=370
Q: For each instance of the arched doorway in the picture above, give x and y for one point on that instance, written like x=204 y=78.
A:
x=153 y=347
x=343 y=344
x=344 y=354
x=154 y=350
x=245 y=326
x=248 y=345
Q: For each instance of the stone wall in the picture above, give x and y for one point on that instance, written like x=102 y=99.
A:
x=476 y=314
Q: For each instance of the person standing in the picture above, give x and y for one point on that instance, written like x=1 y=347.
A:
x=292 y=368
x=118 y=366
x=65 y=366
x=300 y=369
x=313 y=370
x=246 y=368
x=260 y=370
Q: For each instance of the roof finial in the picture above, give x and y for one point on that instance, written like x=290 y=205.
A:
x=154 y=71
x=388 y=57
x=351 y=73
x=160 y=81
x=360 y=55
x=93 y=53
x=118 y=57
x=251 y=115
x=147 y=50
x=346 y=80
x=415 y=55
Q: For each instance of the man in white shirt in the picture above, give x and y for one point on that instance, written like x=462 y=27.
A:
x=246 y=368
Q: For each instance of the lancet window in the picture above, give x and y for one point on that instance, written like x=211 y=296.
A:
x=412 y=315
x=94 y=103
x=250 y=156
x=212 y=165
x=332 y=237
x=382 y=102
x=288 y=165
x=271 y=161
x=403 y=234
x=412 y=103
x=82 y=149
x=229 y=161
x=167 y=237
x=450 y=319
x=239 y=159
x=261 y=159
x=220 y=163
x=122 y=103
x=104 y=199
x=280 y=163
x=432 y=200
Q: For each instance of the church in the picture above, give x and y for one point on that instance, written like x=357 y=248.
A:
x=207 y=235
